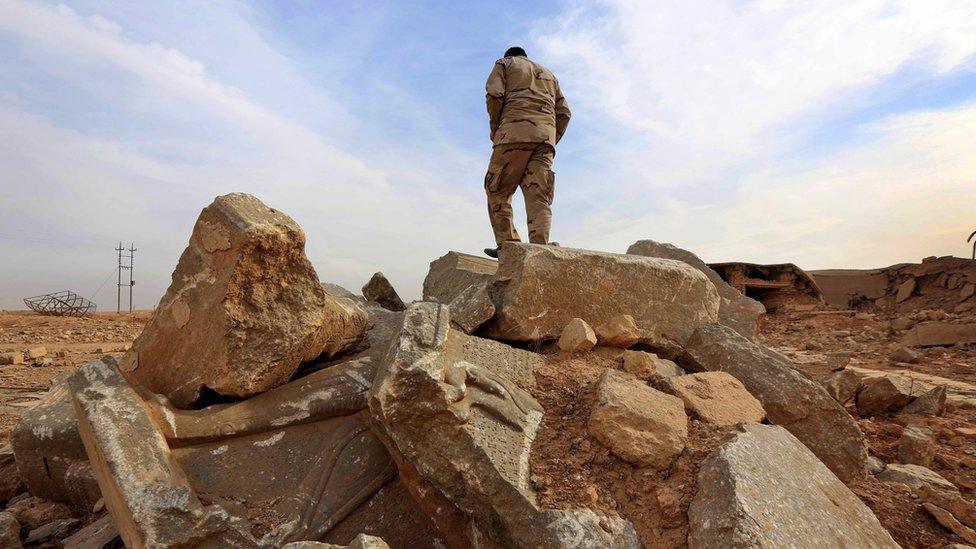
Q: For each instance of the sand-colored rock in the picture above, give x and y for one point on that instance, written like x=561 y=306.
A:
x=244 y=292
x=945 y=518
x=915 y=476
x=763 y=488
x=539 y=289
x=716 y=397
x=886 y=395
x=454 y=272
x=916 y=446
x=842 y=385
x=789 y=398
x=379 y=290
x=577 y=337
x=637 y=423
x=472 y=308
x=9 y=531
x=646 y=365
x=620 y=331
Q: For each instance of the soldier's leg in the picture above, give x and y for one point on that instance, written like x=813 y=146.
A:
x=505 y=170
x=538 y=188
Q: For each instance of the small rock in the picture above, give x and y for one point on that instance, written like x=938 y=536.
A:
x=12 y=358
x=9 y=531
x=620 y=331
x=58 y=529
x=905 y=290
x=904 y=354
x=915 y=477
x=838 y=360
x=874 y=465
x=886 y=394
x=380 y=290
x=35 y=353
x=967 y=291
x=636 y=423
x=716 y=398
x=902 y=323
x=577 y=337
x=931 y=403
x=11 y=482
x=842 y=385
x=916 y=446
x=646 y=365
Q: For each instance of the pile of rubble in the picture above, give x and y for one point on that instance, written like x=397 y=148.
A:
x=556 y=398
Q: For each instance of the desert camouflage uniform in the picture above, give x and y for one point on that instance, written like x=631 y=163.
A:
x=528 y=115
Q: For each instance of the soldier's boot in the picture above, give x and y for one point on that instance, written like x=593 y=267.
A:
x=492 y=252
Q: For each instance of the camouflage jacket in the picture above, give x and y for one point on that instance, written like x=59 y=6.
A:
x=525 y=104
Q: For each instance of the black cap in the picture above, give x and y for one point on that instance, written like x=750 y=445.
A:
x=515 y=51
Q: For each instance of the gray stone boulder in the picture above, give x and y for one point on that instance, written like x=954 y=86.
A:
x=763 y=488
x=789 y=398
x=454 y=272
x=472 y=308
x=539 y=289
x=244 y=309
x=736 y=311
x=379 y=290
x=915 y=477
x=454 y=412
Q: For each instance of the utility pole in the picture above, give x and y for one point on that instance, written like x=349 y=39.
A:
x=124 y=267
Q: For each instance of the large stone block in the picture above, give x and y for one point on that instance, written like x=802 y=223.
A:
x=46 y=442
x=933 y=334
x=789 y=398
x=736 y=311
x=763 y=488
x=539 y=289
x=244 y=309
x=455 y=414
x=454 y=272
x=716 y=398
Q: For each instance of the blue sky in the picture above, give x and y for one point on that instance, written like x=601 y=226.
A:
x=829 y=134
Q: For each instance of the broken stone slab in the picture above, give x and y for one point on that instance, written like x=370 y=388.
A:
x=763 y=488
x=101 y=534
x=905 y=290
x=620 y=331
x=45 y=442
x=736 y=311
x=11 y=358
x=244 y=291
x=637 y=423
x=716 y=397
x=930 y=403
x=915 y=477
x=946 y=519
x=472 y=308
x=935 y=334
x=789 y=398
x=380 y=290
x=33 y=512
x=9 y=531
x=842 y=385
x=904 y=354
x=539 y=289
x=577 y=337
x=58 y=529
x=454 y=412
x=962 y=509
x=306 y=465
x=647 y=366
x=886 y=395
x=11 y=483
x=361 y=541
x=916 y=446
x=453 y=273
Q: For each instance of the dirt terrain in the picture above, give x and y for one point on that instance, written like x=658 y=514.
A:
x=815 y=342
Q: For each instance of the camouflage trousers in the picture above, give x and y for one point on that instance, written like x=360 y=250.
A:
x=525 y=165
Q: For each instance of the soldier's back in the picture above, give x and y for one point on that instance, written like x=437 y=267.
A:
x=529 y=114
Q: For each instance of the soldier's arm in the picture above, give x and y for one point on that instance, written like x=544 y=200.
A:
x=562 y=113
x=495 y=96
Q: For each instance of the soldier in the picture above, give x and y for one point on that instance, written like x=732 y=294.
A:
x=527 y=115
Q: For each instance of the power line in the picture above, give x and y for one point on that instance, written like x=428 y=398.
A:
x=124 y=267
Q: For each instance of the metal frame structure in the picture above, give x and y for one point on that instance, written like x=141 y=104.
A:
x=62 y=303
x=974 y=243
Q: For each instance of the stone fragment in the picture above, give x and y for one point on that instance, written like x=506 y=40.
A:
x=716 y=397
x=636 y=423
x=915 y=477
x=967 y=291
x=11 y=358
x=46 y=442
x=81 y=485
x=453 y=411
x=886 y=395
x=101 y=534
x=380 y=290
x=904 y=354
x=789 y=398
x=9 y=531
x=244 y=291
x=874 y=465
x=646 y=365
x=362 y=541
x=620 y=331
x=916 y=446
x=763 y=488
x=33 y=512
x=336 y=290
x=11 y=482
x=838 y=360
x=57 y=529
x=902 y=323
x=945 y=518
x=930 y=403
x=936 y=334
x=35 y=353
x=842 y=385
x=539 y=289
x=905 y=290
x=962 y=509
x=577 y=337
x=455 y=272
x=472 y=308
x=736 y=311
